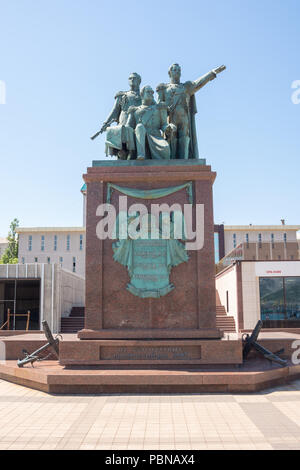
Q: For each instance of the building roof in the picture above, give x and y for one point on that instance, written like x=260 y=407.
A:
x=3 y=240
x=261 y=227
x=50 y=229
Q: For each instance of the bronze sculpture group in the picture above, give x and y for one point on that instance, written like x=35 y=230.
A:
x=146 y=129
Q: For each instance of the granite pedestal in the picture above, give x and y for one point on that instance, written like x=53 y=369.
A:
x=175 y=328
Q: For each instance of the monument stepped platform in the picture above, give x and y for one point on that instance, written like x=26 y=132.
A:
x=52 y=377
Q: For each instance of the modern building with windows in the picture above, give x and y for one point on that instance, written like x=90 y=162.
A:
x=49 y=279
x=47 y=291
x=259 y=275
x=262 y=241
x=64 y=246
x=61 y=245
x=261 y=290
x=259 y=242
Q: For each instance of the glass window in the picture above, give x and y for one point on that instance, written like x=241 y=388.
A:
x=292 y=297
x=42 y=242
x=259 y=240
x=271 y=298
x=74 y=265
x=61 y=260
x=35 y=260
x=30 y=243
x=234 y=240
x=48 y=260
x=55 y=242
x=217 y=255
x=280 y=298
x=81 y=242
x=68 y=242
x=284 y=237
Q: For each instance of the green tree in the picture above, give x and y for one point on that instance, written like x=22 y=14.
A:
x=10 y=255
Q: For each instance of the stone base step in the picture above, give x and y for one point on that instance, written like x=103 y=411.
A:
x=49 y=377
x=72 y=324
x=140 y=352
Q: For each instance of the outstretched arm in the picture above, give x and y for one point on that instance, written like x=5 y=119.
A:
x=200 y=82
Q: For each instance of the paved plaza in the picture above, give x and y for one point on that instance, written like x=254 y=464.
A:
x=30 y=419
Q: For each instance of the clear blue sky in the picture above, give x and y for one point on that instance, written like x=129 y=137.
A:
x=63 y=60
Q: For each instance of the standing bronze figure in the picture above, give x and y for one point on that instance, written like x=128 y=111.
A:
x=180 y=99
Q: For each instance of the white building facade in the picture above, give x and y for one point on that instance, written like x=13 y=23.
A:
x=64 y=246
x=235 y=235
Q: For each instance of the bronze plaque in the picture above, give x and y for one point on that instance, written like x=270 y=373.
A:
x=150 y=353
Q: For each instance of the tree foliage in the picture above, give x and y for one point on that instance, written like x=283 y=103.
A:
x=10 y=255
